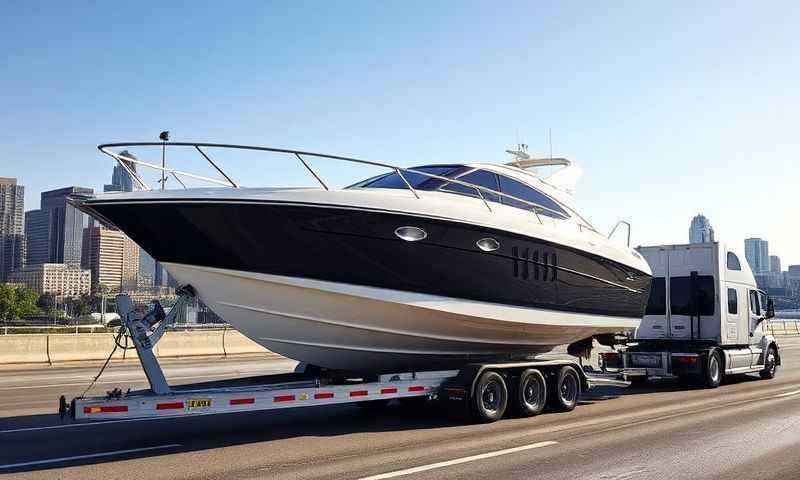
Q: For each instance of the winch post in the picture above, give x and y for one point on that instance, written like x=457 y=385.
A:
x=144 y=343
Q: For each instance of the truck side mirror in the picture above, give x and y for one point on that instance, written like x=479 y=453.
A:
x=770 y=309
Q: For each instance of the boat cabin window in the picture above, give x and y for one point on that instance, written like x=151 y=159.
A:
x=482 y=178
x=416 y=180
x=733 y=262
x=733 y=302
x=683 y=302
x=657 y=302
x=524 y=192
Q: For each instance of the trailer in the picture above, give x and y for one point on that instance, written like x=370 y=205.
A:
x=705 y=319
x=485 y=390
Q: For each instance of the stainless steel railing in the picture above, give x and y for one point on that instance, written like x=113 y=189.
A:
x=125 y=161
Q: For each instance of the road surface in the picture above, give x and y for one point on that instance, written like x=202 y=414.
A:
x=748 y=428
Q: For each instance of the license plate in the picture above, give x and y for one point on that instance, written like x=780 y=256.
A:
x=647 y=361
x=199 y=403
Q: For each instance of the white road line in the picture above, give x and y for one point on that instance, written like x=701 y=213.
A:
x=482 y=456
x=92 y=455
x=787 y=394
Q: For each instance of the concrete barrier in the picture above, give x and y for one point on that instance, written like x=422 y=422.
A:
x=186 y=344
x=83 y=346
x=23 y=349
x=234 y=343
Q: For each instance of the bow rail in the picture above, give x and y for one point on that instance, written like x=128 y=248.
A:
x=126 y=161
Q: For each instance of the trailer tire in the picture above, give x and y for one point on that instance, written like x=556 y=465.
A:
x=491 y=397
x=565 y=389
x=712 y=373
x=770 y=364
x=373 y=405
x=530 y=393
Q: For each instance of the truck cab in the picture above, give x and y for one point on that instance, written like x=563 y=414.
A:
x=705 y=317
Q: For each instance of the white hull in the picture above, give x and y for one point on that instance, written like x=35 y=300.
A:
x=351 y=327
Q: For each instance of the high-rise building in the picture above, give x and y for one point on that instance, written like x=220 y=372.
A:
x=12 y=239
x=756 y=251
x=63 y=236
x=112 y=257
x=700 y=230
x=774 y=264
x=121 y=180
x=57 y=279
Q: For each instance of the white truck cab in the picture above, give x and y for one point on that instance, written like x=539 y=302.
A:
x=705 y=318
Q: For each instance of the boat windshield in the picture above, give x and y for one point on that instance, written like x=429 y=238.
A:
x=416 y=180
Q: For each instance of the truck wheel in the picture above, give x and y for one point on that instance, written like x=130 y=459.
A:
x=373 y=405
x=530 y=394
x=565 y=390
x=712 y=375
x=490 y=398
x=770 y=364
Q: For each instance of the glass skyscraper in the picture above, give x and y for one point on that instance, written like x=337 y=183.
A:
x=55 y=231
x=756 y=251
x=700 y=230
x=12 y=241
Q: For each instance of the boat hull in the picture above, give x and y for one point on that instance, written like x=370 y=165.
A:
x=356 y=328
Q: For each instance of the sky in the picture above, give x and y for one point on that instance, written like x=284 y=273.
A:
x=670 y=108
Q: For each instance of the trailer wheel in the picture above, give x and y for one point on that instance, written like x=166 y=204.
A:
x=491 y=397
x=530 y=393
x=373 y=405
x=770 y=364
x=712 y=374
x=566 y=389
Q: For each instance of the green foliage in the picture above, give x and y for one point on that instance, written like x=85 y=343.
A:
x=17 y=302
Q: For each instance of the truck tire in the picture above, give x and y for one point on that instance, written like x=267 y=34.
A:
x=491 y=397
x=770 y=364
x=565 y=389
x=530 y=394
x=712 y=373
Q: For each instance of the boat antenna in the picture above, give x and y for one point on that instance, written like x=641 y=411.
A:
x=164 y=137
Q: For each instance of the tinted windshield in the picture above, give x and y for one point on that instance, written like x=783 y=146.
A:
x=418 y=181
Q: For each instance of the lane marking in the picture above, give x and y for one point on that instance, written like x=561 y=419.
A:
x=457 y=461
x=91 y=455
x=787 y=394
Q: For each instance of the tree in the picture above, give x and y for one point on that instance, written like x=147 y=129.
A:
x=17 y=302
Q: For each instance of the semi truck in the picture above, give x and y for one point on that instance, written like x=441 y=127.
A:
x=705 y=319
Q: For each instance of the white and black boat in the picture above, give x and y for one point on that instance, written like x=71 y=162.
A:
x=428 y=266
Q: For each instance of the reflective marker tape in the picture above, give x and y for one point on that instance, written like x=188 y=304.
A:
x=169 y=406
x=323 y=395
x=243 y=401
x=283 y=398
x=384 y=391
x=359 y=393
x=416 y=388
x=105 y=409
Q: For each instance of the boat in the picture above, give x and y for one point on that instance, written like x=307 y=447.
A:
x=432 y=266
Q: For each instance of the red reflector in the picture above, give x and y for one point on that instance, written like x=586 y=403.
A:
x=283 y=398
x=416 y=388
x=169 y=406
x=106 y=409
x=384 y=391
x=323 y=395
x=242 y=401
x=686 y=359
x=359 y=393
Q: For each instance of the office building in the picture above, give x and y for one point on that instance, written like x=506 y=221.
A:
x=756 y=251
x=700 y=230
x=12 y=240
x=62 y=237
x=774 y=264
x=57 y=279
x=112 y=258
x=121 y=180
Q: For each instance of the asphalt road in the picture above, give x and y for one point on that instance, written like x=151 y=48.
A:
x=748 y=428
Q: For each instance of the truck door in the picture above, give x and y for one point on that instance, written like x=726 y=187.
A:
x=737 y=309
x=692 y=293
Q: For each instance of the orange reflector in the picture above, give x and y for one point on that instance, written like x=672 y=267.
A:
x=243 y=401
x=283 y=398
x=169 y=406
x=359 y=393
x=384 y=391
x=416 y=388
x=323 y=395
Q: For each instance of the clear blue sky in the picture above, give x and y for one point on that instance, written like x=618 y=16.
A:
x=671 y=108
